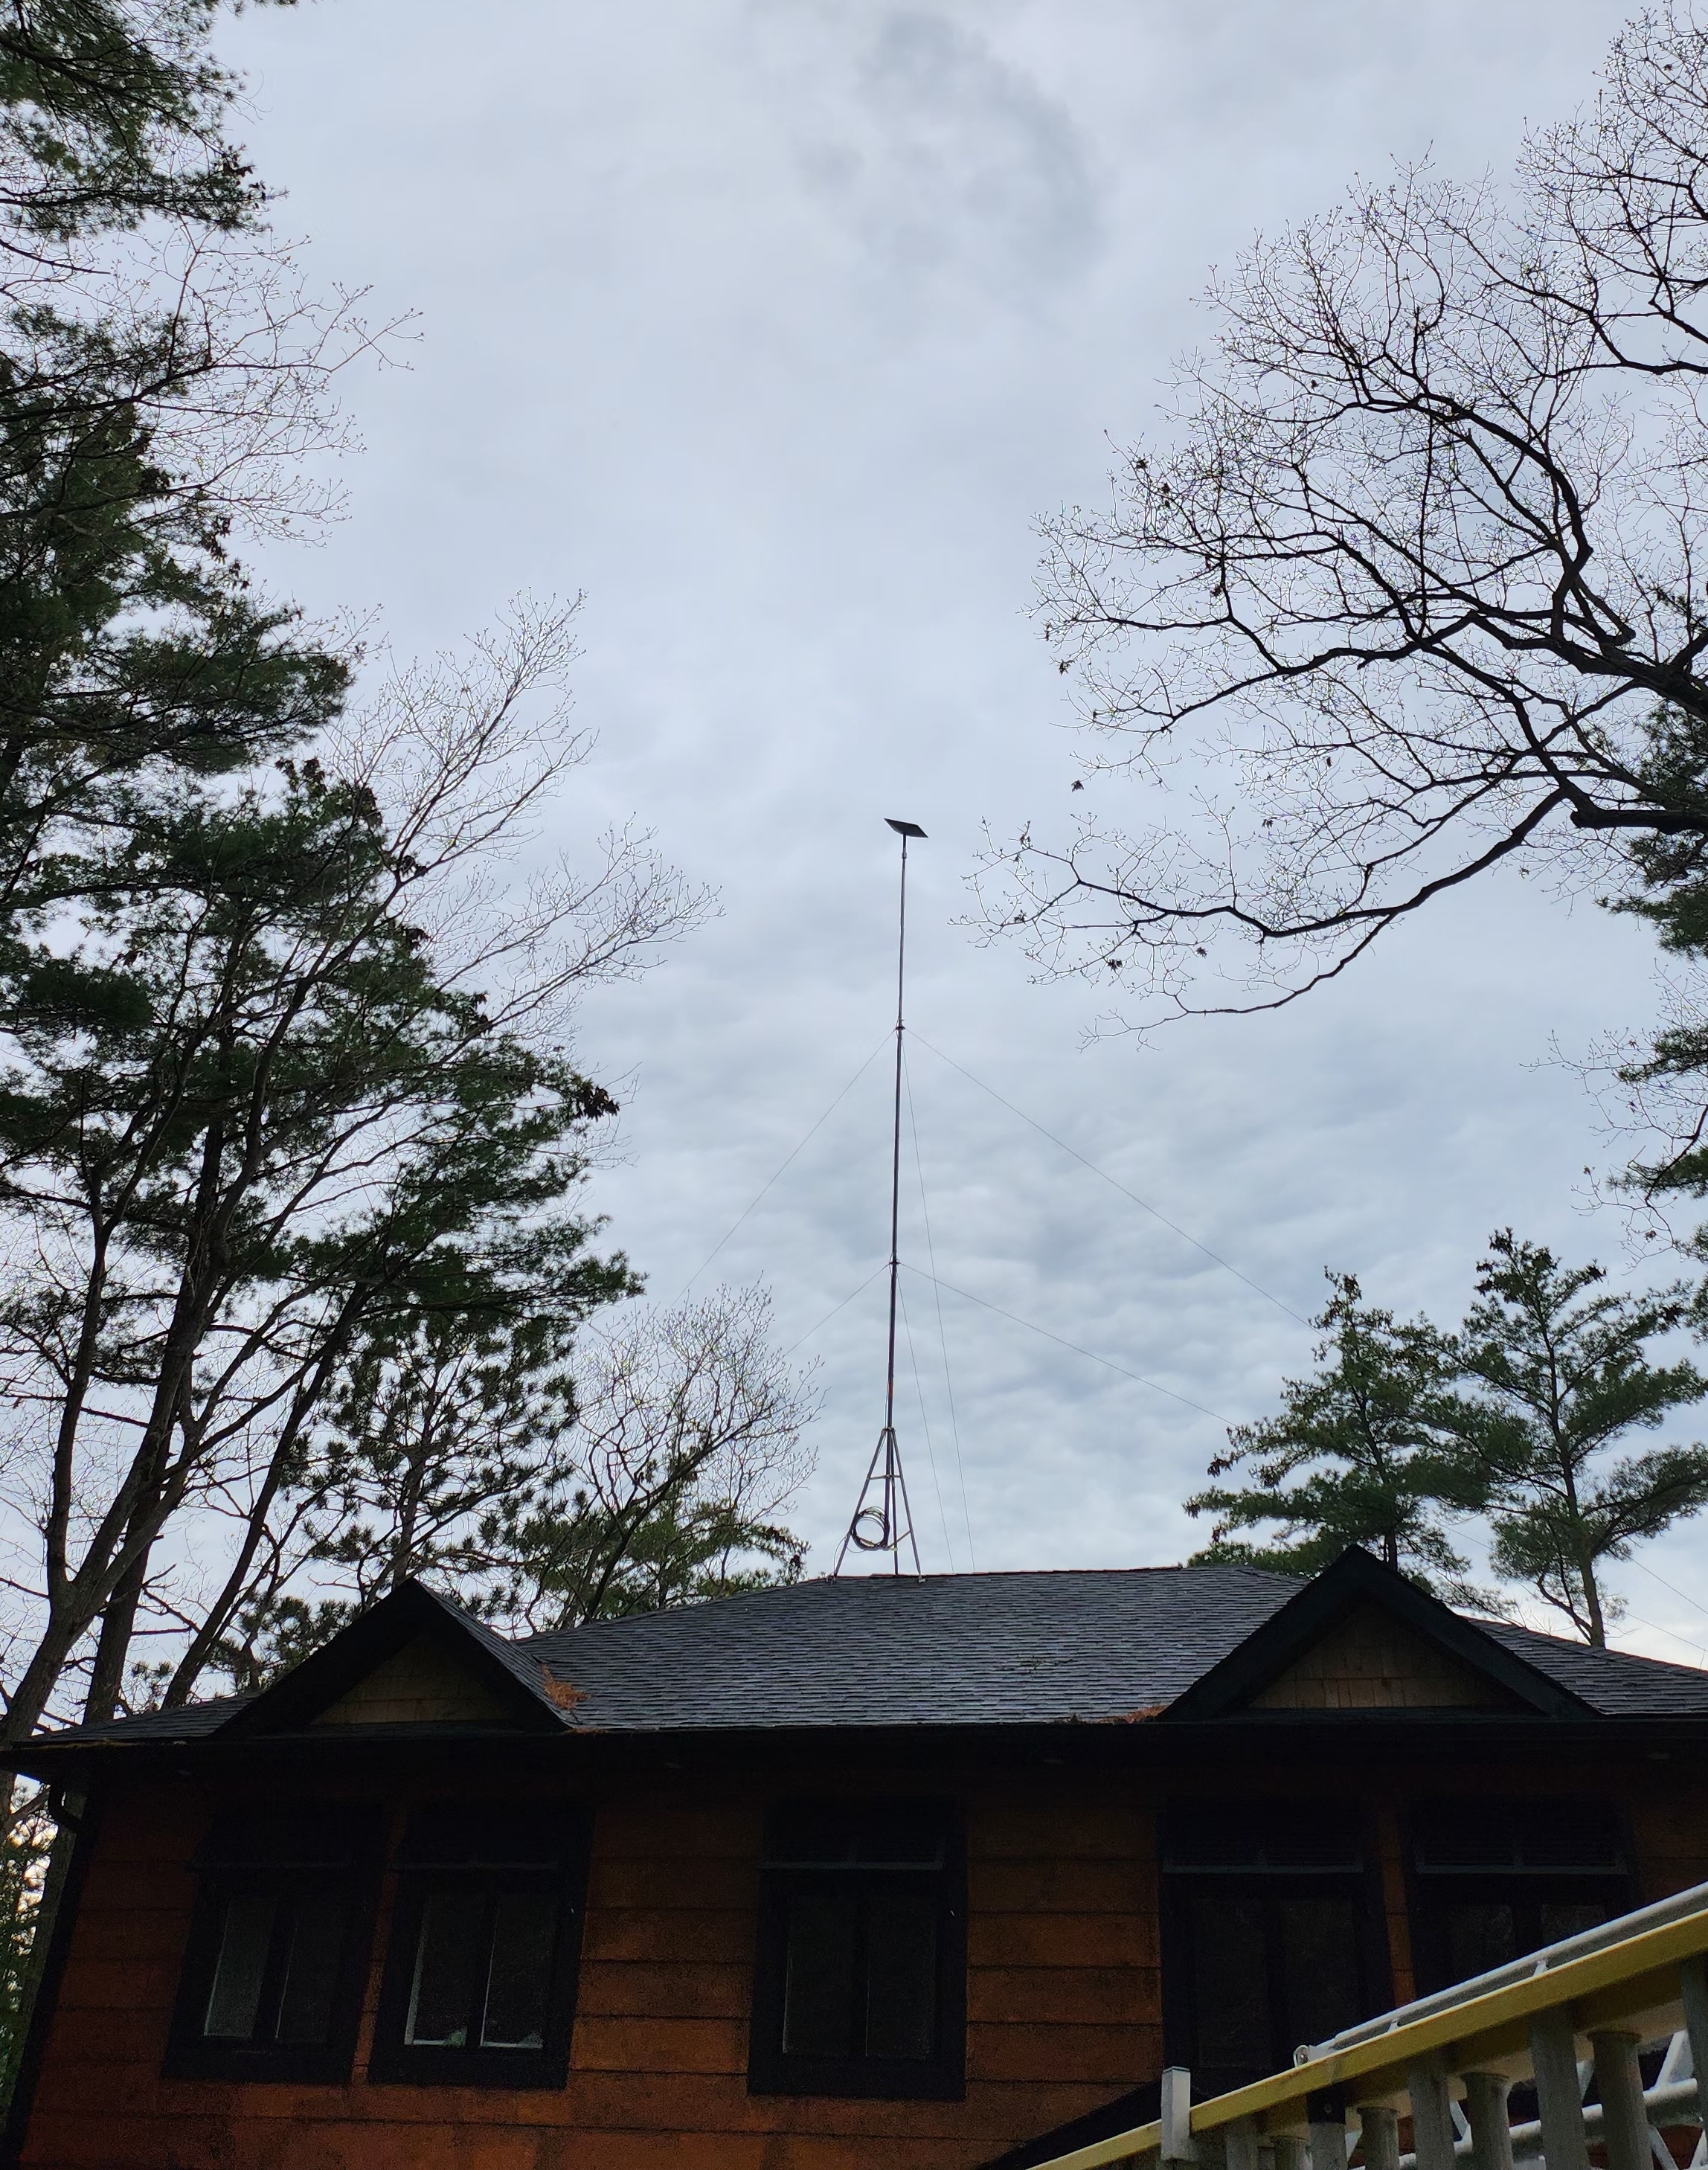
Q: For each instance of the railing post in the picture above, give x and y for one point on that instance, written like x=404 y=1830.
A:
x=1327 y=2132
x=1239 y=2140
x=1559 y=2096
x=1209 y=2150
x=1177 y=2115
x=1491 y=2135
x=1381 y=2136
x=1693 y=1987
x=1625 y=2120
x=1290 y=2153
x=1432 y=2117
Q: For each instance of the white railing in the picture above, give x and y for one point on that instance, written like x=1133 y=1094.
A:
x=1579 y=2011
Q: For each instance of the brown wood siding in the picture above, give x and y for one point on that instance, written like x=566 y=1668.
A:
x=1391 y=1858
x=1669 y=1831
x=425 y=1683
x=1371 y=1661
x=1064 y=1994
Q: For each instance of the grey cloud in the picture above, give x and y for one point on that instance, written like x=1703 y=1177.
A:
x=945 y=158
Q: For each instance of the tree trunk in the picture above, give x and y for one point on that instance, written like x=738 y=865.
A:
x=113 y=1646
x=1591 y=1601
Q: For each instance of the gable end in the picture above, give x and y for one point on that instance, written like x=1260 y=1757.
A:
x=1359 y=1631
x=1370 y=1660
x=425 y=1682
x=414 y=1659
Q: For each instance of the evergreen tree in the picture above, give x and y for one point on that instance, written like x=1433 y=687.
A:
x=536 y=1473
x=1363 y=1453
x=148 y=396
x=1559 y=1373
x=285 y=1071
x=282 y=1065
x=110 y=113
x=428 y=1407
x=160 y=377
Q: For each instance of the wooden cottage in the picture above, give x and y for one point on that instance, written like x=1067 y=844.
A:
x=934 y=1872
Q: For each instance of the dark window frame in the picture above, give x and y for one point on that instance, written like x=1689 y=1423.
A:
x=1431 y=1888
x=772 y=2070
x=393 y=2061
x=1359 y=1880
x=224 y=1875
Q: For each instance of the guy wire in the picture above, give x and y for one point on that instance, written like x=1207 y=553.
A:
x=926 y=1426
x=799 y=1150
x=942 y=1335
x=1144 y=1205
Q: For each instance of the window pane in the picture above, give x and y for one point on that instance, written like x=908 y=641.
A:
x=519 y=1978
x=901 y=1974
x=451 y=1835
x=1481 y=1934
x=1478 y=1835
x=450 y=1962
x=1322 y=1979
x=1568 y=1835
x=888 y=1831
x=1229 y=1982
x=235 y=1999
x=820 y=1990
x=904 y=1833
x=1318 y=1835
x=310 y=1975
x=273 y=1838
x=1569 y=1917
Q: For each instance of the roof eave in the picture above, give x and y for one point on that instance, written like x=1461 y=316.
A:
x=1179 y=1746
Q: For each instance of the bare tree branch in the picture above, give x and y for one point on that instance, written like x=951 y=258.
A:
x=1411 y=573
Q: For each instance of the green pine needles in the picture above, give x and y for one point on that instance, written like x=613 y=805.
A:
x=1406 y=1433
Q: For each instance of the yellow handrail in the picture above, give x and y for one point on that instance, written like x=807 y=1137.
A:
x=1633 y=1981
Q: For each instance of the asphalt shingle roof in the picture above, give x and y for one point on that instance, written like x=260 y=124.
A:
x=966 y=1650
x=1612 y=1681
x=948 y=1649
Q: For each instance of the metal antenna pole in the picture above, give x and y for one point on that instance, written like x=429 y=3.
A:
x=895 y=1154
x=886 y=1527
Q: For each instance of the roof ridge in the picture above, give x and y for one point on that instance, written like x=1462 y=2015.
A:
x=774 y=1591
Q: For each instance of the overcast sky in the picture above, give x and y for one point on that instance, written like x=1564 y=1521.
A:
x=772 y=325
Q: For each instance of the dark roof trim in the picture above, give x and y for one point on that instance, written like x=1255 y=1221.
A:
x=1356 y=1576
x=302 y=1693
x=1179 y=1750
x=1139 y=2106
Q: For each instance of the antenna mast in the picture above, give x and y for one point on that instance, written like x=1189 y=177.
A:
x=885 y=1524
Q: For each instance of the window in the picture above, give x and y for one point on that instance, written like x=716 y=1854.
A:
x=1492 y=1880
x=1271 y=1936
x=479 y=1987
x=861 y=1984
x=278 y=1949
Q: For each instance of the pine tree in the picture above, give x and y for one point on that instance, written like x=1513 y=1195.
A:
x=1559 y=1374
x=1362 y=1452
x=159 y=378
